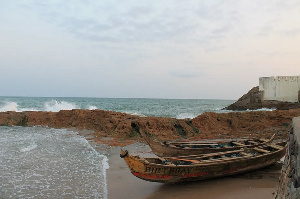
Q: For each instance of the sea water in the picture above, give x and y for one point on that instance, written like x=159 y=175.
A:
x=176 y=108
x=38 y=162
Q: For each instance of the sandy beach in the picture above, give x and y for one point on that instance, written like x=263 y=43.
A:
x=122 y=184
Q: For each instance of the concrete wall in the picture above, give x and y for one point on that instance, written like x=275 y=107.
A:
x=281 y=88
x=289 y=182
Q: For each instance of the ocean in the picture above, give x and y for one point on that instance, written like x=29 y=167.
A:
x=175 y=108
x=37 y=162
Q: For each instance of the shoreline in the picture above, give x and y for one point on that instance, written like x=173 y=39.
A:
x=258 y=184
x=107 y=131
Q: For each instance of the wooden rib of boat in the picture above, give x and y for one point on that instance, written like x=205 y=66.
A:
x=205 y=166
x=179 y=148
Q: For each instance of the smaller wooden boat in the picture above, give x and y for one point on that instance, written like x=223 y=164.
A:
x=180 y=148
x=205 y=166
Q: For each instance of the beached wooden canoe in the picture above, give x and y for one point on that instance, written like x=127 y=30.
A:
x=205 y=166
x=180 y=148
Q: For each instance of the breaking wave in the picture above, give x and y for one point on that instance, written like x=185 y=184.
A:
x=135 y=113
x=9 y=106
x=185 y=116
x=13 y=106
x=173 y=108
x=51 y=106
x=92 y=107
x=55 y=106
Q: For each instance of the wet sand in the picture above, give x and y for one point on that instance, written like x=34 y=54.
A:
x=122 y=184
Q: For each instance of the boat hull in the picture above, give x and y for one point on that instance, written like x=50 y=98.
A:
x=180 y=173
x=164 y=150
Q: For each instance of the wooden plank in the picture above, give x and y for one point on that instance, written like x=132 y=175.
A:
x=207 y=155
x=275 y=146
x=195 y=142
x=239 y=144
x=199 y=144
x=253 y=142
x=187 y=160
x=246 y=154
x=227 y=159
x=219 y=154
x=261 y=150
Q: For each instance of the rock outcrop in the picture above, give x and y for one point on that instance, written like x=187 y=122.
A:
x=124 y=126
x=252 y=101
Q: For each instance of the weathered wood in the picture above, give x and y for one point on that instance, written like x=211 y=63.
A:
x=187 y=160
x=253 y=142
x=246 y=154
x=275 y=146
x=191 y=168
x=197 y=144
x=169 y=149
x=239 y=144
x=261 y=150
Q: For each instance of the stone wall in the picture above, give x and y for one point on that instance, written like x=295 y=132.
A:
x=280 y=88
x=289 y=182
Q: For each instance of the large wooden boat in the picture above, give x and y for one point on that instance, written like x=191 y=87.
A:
x=180 y=148
x=205 y=166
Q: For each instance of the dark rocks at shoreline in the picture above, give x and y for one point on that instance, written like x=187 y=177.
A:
x=252 y=101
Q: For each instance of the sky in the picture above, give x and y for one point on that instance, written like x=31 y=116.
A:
x=176 y=49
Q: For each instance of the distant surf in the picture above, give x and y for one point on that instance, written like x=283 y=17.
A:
x=175 y=108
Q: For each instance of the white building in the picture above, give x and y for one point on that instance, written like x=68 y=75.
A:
x=280 y=88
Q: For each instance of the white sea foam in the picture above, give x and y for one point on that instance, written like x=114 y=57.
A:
x=92 y=107
x=29 y=148
x=133 y=113
x=9 y=106
x=263 y=109
x=53 y=163
x=267 y=109
x=140 y=107
x=52 y=106
x=55 y=106
x=13 y=106
x=185 y=115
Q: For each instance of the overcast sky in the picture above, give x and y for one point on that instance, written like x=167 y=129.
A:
x=212 y=49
